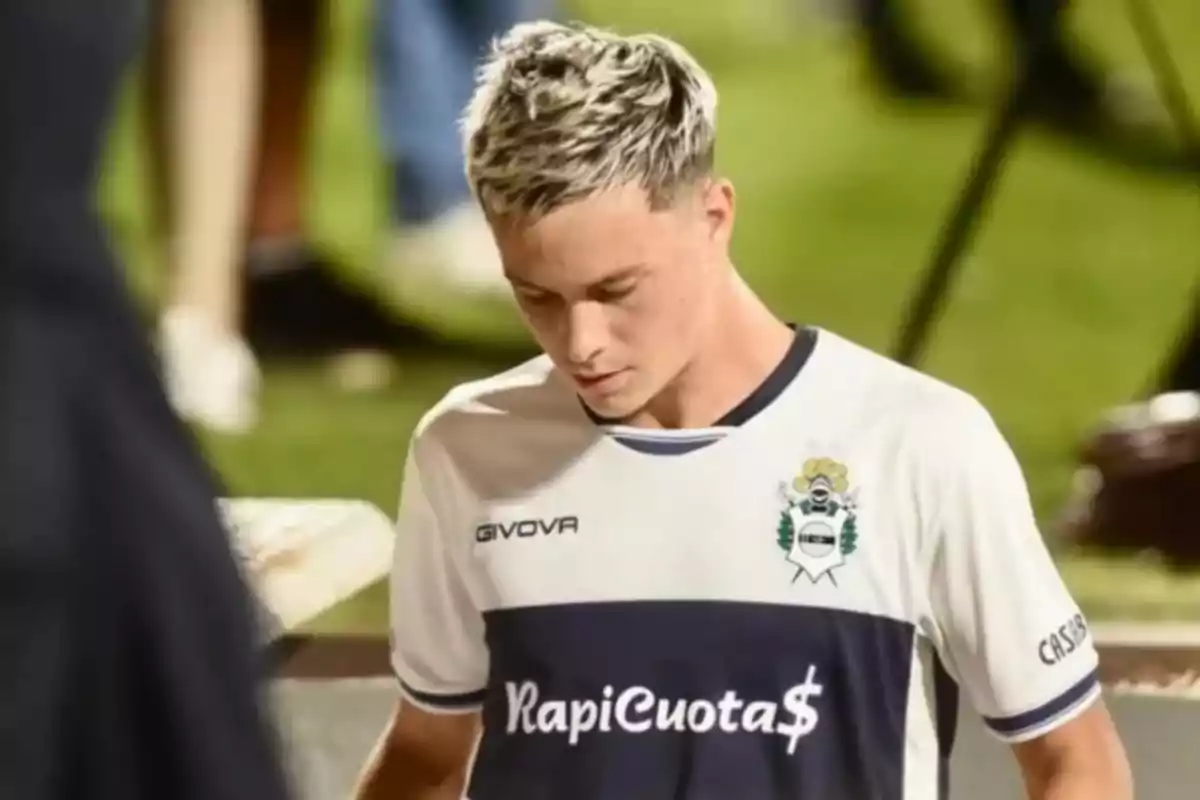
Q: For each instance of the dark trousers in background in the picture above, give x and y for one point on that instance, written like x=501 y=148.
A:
x=424 y=57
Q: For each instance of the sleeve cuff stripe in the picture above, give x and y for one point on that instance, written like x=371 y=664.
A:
x=447 y=701
x=1064 y=703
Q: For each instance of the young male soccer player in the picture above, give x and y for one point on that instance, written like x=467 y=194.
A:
x=693 y=552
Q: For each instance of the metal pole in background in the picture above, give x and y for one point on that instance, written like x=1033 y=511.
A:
x=961 y=223
x=1166 y=74
x=1182 y=369
x=926 y=305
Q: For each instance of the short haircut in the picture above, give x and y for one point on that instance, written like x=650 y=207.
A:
x=563 y=112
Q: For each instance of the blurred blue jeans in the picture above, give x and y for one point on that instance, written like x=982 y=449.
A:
x=424 y=56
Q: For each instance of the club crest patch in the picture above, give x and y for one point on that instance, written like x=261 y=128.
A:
x=818 y=525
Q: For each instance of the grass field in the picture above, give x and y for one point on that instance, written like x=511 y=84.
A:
x=1070 y=297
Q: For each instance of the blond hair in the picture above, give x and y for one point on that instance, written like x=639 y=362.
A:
x=563 y=112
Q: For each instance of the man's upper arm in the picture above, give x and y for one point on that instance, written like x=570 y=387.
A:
x=1082 y=758
x=438 y=648
x=1008 y=629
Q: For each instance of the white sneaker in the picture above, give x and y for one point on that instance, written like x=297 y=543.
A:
x=212 y=378
x=447 y=278
x=455 y=252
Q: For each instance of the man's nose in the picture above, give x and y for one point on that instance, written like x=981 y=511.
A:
x=586 y=332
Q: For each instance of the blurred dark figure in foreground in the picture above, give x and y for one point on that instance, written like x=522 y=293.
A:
x=1076 y=94
x=129 y=667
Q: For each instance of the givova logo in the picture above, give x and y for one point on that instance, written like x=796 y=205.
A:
x=638 y=709
x=525 y=528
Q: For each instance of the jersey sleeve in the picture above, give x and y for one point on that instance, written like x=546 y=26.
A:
x=437 y=632
x=1011 y=634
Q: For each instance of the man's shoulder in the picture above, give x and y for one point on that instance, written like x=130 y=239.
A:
x=910 y=397
x=529 y=393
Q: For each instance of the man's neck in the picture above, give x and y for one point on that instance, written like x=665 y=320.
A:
x=745 y=344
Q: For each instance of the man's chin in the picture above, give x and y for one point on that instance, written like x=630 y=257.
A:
x=614 y=408
x=606 y=411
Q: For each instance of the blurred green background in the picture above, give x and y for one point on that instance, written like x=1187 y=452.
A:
x=1068 y=302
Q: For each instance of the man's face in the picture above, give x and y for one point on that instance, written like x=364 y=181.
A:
x=619 y=295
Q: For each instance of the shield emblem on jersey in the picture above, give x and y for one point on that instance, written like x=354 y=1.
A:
x=817 y=526
x=817 y=543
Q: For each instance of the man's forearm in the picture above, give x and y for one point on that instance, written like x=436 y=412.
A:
x=1078 y=781
x=388 y=776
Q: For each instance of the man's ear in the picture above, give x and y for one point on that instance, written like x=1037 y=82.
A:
x=719 y=203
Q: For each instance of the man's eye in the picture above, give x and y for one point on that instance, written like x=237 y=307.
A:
x=535 y=298
x=611 y=294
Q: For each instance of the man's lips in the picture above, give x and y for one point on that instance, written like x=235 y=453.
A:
x=591 y=379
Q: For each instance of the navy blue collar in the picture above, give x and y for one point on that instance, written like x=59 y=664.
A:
x=766 y=393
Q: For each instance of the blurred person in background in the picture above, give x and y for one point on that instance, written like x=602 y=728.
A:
x=205 y=90
x=130 y=660
x=293 y=41
x=425 y=54
x=232 y=85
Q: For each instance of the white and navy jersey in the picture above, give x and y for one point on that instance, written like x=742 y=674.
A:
x=785 y=605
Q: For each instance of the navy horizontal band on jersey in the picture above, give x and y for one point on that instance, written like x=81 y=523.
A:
x=602 y=700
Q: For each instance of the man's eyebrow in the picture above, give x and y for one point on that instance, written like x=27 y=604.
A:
x=620 y=276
